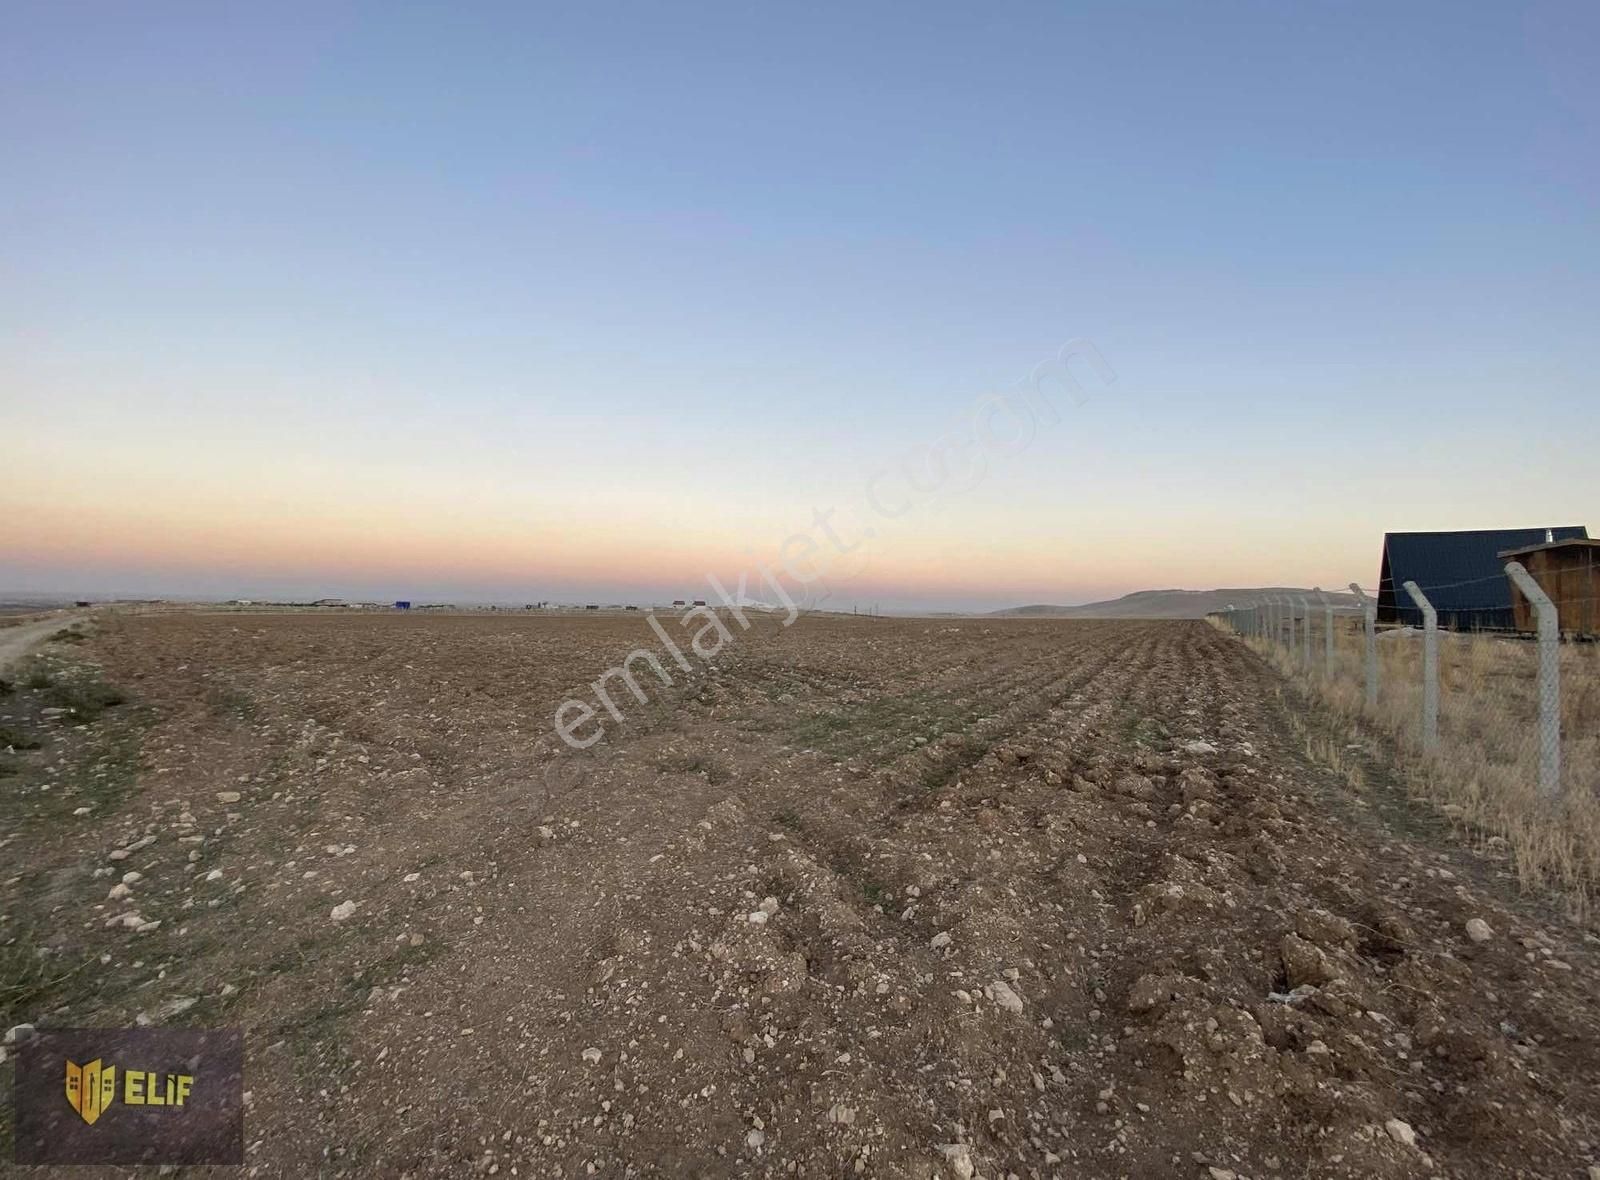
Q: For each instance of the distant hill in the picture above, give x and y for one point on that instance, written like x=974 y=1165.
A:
x=1169 y=604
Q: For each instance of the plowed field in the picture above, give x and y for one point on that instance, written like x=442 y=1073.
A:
x=1035 y=898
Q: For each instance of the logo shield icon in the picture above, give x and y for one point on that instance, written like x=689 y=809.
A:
x=91 y=1089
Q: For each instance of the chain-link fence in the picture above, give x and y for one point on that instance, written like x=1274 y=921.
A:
x=1503 y=727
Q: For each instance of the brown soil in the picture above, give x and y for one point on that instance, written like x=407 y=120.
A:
x=1019 y=922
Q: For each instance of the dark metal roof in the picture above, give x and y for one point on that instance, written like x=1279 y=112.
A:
x=1462 y=573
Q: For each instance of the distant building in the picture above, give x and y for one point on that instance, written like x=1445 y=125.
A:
x=1461 y=573
x=699 y=602
x=680 y=603
x=402 y=604
x=592 y=606
x=328 y=602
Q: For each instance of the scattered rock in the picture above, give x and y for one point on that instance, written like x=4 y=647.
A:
x=1304 y=962
x=1000 y=992
x=344 y=911
x=1401 y=1132
x=1149 y=992
x=592 y=1055
x=1478 y=930
x=18 y=1033
x=1323 y=928
x=228 y=796
x=959 y=1157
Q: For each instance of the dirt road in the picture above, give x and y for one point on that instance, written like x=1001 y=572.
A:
x=18 y=641
x=888 y=898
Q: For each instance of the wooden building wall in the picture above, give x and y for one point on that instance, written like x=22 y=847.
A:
x=1570 y=575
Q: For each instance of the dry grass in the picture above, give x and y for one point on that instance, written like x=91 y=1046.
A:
x=1485 y=770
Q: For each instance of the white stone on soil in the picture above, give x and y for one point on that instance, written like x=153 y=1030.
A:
x=1401 y=1132
x=1000 y=992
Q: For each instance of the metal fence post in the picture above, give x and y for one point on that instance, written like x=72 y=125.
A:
x=1369 y=611
x=1305 y=634
x=1549 y=626
x=1430 y=667
x=1327 y=634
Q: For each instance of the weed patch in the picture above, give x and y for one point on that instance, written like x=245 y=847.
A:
x=16 y=739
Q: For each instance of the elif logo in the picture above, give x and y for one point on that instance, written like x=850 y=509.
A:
x=92 y=1088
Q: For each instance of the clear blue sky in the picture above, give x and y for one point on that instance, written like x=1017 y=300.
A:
x=520 y=302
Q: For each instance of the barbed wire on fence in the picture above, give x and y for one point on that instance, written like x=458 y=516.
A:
x=1523 y=705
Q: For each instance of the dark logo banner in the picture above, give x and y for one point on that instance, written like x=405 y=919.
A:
x=130 y=1096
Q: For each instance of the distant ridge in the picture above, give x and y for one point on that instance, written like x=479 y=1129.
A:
x=1169 y=604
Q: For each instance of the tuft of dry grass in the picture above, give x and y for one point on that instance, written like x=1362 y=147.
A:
x=1484 y=772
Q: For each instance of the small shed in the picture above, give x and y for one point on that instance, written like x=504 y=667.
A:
x=1569 y=572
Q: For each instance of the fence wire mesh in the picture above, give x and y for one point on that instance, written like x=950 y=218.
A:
x=1515 y=716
